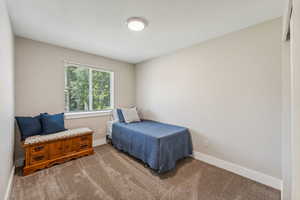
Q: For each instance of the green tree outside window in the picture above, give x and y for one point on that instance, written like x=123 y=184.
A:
x=87 y=89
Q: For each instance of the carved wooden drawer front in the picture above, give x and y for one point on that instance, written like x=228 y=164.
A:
x=67 y=146
x=85 y=142
x=37 y=158
x=39 y=148
x=84 y=145
x=75 y=144
x=56 y=149
x=81 y=143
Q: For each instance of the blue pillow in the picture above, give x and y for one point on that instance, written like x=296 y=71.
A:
x=29 y=126
x=41 y=120
x=52 y=123
x=120 y=115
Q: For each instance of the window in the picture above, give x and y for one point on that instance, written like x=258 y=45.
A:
x=87 y=89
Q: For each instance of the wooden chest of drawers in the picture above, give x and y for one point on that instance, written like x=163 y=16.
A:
x=45 y=154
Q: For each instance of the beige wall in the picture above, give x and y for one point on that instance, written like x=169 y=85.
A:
x=286 y=192
x=286 y=122
x=295 y=77
x=6 y=99
x=40 y=81
x=227 y=91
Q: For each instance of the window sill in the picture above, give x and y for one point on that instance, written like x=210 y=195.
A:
x=77 y=115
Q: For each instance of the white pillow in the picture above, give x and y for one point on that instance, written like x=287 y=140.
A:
x=130 y=115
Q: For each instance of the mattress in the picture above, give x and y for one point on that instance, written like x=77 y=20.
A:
x=158 y=144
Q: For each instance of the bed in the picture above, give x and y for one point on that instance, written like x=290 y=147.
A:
x=157 y=144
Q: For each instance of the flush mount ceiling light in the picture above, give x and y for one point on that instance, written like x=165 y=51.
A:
x=136 y=23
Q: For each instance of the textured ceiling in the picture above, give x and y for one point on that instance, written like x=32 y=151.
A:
x=98 y=26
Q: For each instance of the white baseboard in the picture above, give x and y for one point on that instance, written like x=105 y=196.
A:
x=10 y=184
x=99 y=142
x=242 y=171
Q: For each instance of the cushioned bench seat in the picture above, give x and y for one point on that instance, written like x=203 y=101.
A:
x=60 y=135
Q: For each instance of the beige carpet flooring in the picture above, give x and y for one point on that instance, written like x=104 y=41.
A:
x=111 y=175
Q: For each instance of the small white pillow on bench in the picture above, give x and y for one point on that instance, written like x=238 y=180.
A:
x=130 y=115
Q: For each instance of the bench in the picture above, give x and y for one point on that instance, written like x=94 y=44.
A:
x=43 y=151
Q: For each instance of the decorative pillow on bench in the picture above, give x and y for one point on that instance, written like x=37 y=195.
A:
x=29 y=126
x=52 y=123
x=42 y=124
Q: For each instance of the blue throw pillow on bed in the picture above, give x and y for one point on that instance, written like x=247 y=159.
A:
x=29 y=126
x=120 y=115
x=52 y=123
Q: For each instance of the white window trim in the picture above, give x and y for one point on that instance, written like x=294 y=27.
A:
x=90 y=90
x=77 y=115
x=91 y=113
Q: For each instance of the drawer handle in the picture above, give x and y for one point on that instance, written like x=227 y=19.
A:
x=39 y=148
x=38 y=158
x=84 y=146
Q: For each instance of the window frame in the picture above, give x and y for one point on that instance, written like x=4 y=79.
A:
x=90 y=112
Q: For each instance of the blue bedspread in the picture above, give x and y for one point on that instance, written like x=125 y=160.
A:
x=157 y=144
